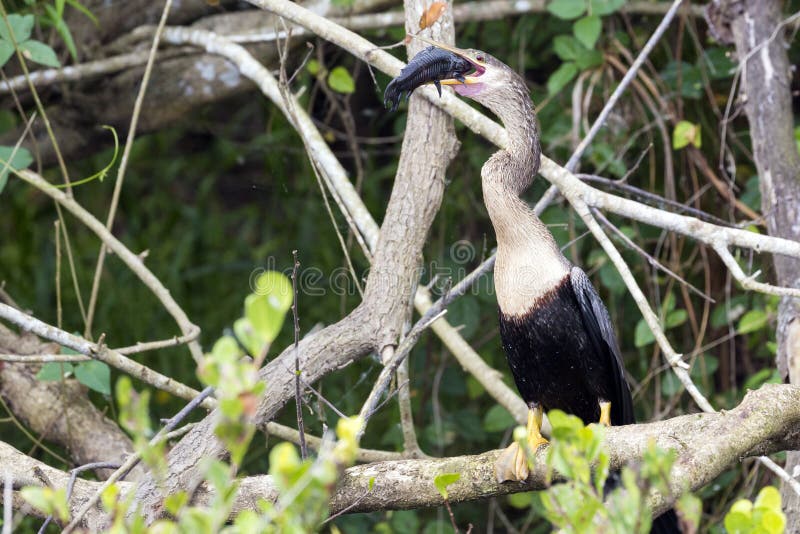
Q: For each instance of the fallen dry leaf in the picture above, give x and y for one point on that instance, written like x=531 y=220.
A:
x=431 y=15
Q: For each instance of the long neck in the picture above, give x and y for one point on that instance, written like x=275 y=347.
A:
x=529 y=262
x=510 y=172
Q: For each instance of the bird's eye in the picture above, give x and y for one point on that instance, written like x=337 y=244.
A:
x=479 y=57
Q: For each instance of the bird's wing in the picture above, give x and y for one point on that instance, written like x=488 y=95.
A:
x=601 y=332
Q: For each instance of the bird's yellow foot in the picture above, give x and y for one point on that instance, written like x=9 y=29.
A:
x=605 y=413
x=512 y=464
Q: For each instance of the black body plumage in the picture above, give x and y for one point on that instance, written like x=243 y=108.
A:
x=563 y=353
x=431 y=65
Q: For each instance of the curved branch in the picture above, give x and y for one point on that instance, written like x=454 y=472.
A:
x=706 y=444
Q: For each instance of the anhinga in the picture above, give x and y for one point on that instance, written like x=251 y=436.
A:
x=555 y=329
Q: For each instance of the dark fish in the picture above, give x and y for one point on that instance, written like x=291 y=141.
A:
x=431 y=65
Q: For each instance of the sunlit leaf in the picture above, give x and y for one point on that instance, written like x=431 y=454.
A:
x=686 y=133
x=340 y=81
x=445 y=479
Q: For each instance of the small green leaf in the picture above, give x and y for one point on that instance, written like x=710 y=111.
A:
x=769 y=497
x=685 y=133
x=690 y=509
x=52 y=371
x=644 y=336
x=340 y=81
x=561 y=77
x=94 y=375
x=568 y=48
x=752 y=321
x=497 y=419
x=589 y=59
x=371 y=483
x=6 y=51
x=567 y=9
x=22 y=158
x=676 y=318
x=247 y=336
x=175 y=501
x=442 y=481
x=587 y=30
x=22 y=25
x=40 y=53
x=605 y=7
x=313 y=67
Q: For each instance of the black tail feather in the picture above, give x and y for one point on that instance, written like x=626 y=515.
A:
x=666 y=523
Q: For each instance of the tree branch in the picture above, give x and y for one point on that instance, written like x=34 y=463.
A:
x=706 y=444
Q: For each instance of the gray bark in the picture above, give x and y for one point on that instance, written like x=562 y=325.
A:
x=706 y=444
x=59 y=412
x=766 y=79
x=428 y=147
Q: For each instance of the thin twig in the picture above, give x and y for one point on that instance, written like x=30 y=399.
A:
x=298 y=398
x=131 y=260
x=98 y=352
x=134 y=459
x=73 y=475
x=123 y=166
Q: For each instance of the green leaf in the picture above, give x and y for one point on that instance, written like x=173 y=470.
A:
x=497 y=419
x=670 y=384
x=313 y=67
x=278 y=287
x=587 y=30
x=22 y=25
x=263 y=316
x=52 y=371
x=752 y=321
x=769 y=497
x=175 y=501
x=561 y=77
x=6 y=51
x=62 y=29
x=676 y=318
x=340 y=81
x=644 y=336
x=40 y=53
x=442 y=481
x=247 y=336
x=226 y=347
x=690 y=508
x=589 y=59
x=567 y=9
x=605 y=7
x=94 y=375
x=22 y=158
x=685 y=133
x=568 y=48
x=718 y=63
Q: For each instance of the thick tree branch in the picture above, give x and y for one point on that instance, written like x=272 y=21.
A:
x=765 y=422
x=766 y=86
x=59 y=412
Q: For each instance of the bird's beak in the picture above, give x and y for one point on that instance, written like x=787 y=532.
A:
x=478 y=65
